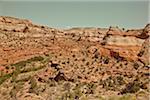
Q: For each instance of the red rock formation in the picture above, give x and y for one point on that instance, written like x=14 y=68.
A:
x=20 y=39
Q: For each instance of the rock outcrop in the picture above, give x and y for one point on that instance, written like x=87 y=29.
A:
x=77 y=54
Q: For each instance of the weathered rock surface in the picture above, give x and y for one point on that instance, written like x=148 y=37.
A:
x=77 y=54
x=18 y=34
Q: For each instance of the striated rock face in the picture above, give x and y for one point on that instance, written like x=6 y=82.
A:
x=19 y=34
x=77 y=54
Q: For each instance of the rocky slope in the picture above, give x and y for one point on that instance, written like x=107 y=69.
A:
x=44 y=63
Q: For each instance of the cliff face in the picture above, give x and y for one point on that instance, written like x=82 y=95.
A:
x=16 y=34
x=77 y=54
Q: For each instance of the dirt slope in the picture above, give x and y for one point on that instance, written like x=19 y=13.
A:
x=44 y=63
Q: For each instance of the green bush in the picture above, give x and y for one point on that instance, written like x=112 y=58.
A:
x=131 y=87
x=5 y=77
x=23 y=63
x=33 y=85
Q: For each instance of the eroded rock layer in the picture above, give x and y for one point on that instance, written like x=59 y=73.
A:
x=77 y=54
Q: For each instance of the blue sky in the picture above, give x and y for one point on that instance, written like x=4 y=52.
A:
x=80 y=13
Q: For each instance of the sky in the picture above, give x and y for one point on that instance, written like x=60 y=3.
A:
x=80 y=13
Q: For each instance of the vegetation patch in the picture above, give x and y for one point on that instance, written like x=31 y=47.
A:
x=32 y=69
x=18 y=70
x=113 y=83
x=33 y=85
x=23 y=63
x=132 y=87
x=5 y=77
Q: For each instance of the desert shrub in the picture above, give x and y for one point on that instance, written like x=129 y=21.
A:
x=18 y=70
x=112 y=83
x=32 y=69
x=132 y=87
x=39 y=58
x=23 y=63
x=15 y=89
x=77 y=93
x=136 y=65
x=5 y=77
x=119 y=80
x=140 y=54
x=127 y=97
x=106 y=60
x=108 y=83
x=67 y=96
x=23 y=79
x=33 y=85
